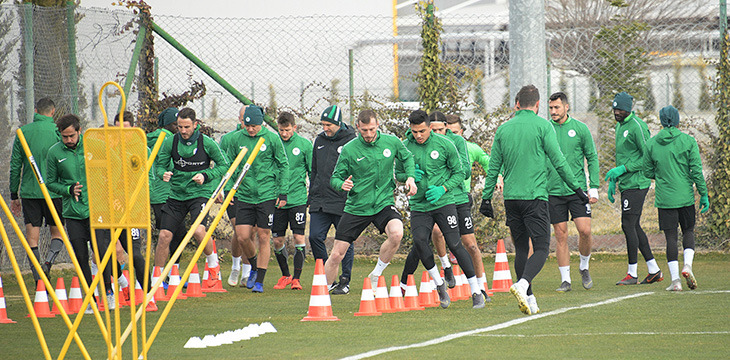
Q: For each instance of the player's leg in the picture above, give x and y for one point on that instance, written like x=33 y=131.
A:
x=446 y=218
x=628 y=225
x=298 y=223
x=559 y=218
x=278 y=234
x=319 y=225
x=669 y=223
x=521 y=242
x=347 y=261
x=637 y=204
x=79 y=236
x=440 y=245
x=56 y=245
x=333 y=261
x=687 y=218
x=421 y=227
x=411 y=264
x=33 y=218
x=348 y=230
x=585 y=243
x=469 y=240
x=388 y=221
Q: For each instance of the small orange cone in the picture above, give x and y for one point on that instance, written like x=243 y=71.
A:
x=425 y=297
x=434 y=294
x=74 y=296
x=160 y=293
x=465 y=287
x=320 y=307
x=194 y=289
x=174 y=283
x=99 y=301
x=151 y=306
x=396 y=295
x=3 y=313
x=367 y=300
x=411 y=298
x=122 y=300
x=212 y=285
x=61 y=295
x=502 y=279
x=382 y=302
x=40 y=304
x=138 y=293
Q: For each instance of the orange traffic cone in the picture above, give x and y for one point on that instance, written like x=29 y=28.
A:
x=502 y=279
x=411 y=298
x=138 y=293
x=486 y=285
x=458 y=289
x=151 y=306
x=425 y=298
x=396 y=295
x=213 y=285
x=174 y=283
x=194 y=289
x=367 y=300
x=160 y=292
x=382 y=302
x=40 y=304
x=320 y=307
x=465 y=287
x=122 y=300
x=61 y=295
x=3 y=313
x=74 y=296
x=99 y=301
x=434 y=294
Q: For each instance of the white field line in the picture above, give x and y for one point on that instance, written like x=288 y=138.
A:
x=610 y=333
x=504 y=325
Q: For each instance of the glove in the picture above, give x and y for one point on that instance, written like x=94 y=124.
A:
x=418 y=174
x=434 y=193
x=616 y=172
x=486 y=208
x=593 y=193
x=582 y=195
x=611 y=191
x=704 y=204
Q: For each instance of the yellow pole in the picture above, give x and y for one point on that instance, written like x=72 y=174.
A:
x=396 y=90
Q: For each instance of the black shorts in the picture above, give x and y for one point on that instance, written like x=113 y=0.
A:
x=535 y=214
x=670 y=218
x=632 y=201
x=174 y=211
x=446 y=217
x=36 y=210
x=466 y=223
x=294 y=218
x=261 y=214
x=560 y=206
x=231 y=209
x=351 y=226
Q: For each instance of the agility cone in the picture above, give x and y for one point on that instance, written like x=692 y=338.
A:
x=382 y=301
x=502 y=279
x=411 y=298
x=138 y=293
x=99 y=301
x=74 y=296
x=425 y=297
x=396 y=295
x=320 y=307
x=459 y=288
x=486 y=285
x=40 y=304
x=194 y=289
x=465 y=287
x=214 y=285
x=174 y=283
x=151 y=305
x=434 y=293
x=61 y=295
x=160 y=292
x=122 y=299
x=3 y=313
x=367 y=300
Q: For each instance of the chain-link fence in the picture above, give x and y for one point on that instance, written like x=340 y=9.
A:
x=303 y=64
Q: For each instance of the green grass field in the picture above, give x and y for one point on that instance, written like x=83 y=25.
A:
x=603 y=323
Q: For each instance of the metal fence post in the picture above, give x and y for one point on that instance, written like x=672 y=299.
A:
x=28 y=54
x=73 y=77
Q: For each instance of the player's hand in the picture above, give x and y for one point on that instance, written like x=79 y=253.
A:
x=434 y=193
x=704 y=204
x=281 y=201
x=500 y=184
x=582 y=195
x=166 y=176
x=347 y=185
x=411 y=185
x=77 y=190
x=199 y=179
x=593 y=195
x=15 y=207
x=219 y=199
x=611 y=190
x=615 y=173
x=418 y=174
x=486 y=208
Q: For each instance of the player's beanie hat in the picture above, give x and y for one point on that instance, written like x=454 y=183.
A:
x=623 y=101
x=167 y=116
x=332 y=114
x=669 y=116
x=253 y=115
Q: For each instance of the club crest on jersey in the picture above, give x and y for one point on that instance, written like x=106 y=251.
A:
x=263 y=147
x=626 y=133
x=296 y=151
x=571 y=133
x=339 y=149
x=386 y=153
x=434 y=154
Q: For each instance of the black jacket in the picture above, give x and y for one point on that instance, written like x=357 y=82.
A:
x=325 y=152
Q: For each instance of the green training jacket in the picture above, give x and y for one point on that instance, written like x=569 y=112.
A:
x=476 y=155
x=521 y=148
x=224 y=143
x=576 y=143
x=299 y=153
x=461 y=193
x=66 y=167
x=631 y=137
x=41 y=134
x=371 y=167
x=159 y=190
x=672 y=159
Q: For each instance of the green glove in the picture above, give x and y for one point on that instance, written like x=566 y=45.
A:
x=614 y=173
x=611 y=190
x=704 y=204
x=434 y=193
x=418 y=174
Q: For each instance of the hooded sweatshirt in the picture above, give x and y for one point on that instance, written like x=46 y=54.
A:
x=631 y=137
x=41 y=134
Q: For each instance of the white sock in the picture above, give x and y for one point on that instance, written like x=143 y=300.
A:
x=474 y=285
x=689 y=256
x=379 y=267
x=633 y=271
x=236 y=263
x=212 y=260
x=652 y=266
x=564 y=273
x=523 y=284
x=245 y=270
x=123 y=281
x=584 y=262
x=403 y=286
x=674 y=269
x=482 y=280
x=94 y=269
x=436 y=275
x=445 y=263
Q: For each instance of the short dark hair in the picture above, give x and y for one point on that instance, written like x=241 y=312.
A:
x=559 y=95
x=436 y=116
x=366 y=116
x=453 y=119
x=127 y=117
x=527 y=96
x=418 y=117
x=187 y=113
x=44 y=106
x=68 y=120
x=286 y=118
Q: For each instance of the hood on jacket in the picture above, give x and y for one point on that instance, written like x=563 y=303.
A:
x=344 y=131
x=667 y=135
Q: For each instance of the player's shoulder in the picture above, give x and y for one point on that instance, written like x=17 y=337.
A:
x=54 y=148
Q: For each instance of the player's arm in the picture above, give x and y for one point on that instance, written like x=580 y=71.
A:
x=495 y=165
x=695 y=166
x=16 y=164
x=164 y=158
x=308 y=149
x=649 y=165
x=282 y=163
x=341 y=172
x=406 y=158
x=454 y=163
x=400 y=170
x=478 y=155
x=589 y=152
x=53 y=181
x=639 y=138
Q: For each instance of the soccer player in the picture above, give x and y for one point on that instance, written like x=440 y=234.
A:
x=365 y=170
x=293 y=215
x=192 y=163
x=326 y=204
x=476 y=153
x=439 y=175
x=672 y=159
x=41 y=134
x=577 y=145
x=262 y=190
x=522 y=147
x=631 y=137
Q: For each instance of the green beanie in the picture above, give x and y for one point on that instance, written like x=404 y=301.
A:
x=669 y=116
x=332 y=114
x=623 y=101
x=253 y=115
x=167 y=117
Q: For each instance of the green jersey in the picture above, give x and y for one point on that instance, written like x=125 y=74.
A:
x=576 y=143
x=224 y=143
x=476 y=155
x=460 y=193
x=299 y=152
x=371 y=167
x=159 y=190
x=41 y=134
x=631 y=137
x=66 y=167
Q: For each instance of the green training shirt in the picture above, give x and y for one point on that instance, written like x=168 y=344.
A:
x=41 y=134
x=66 y=167
x=631 y=137
x=159 y=190
x=299 y=153
x=576 y=143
